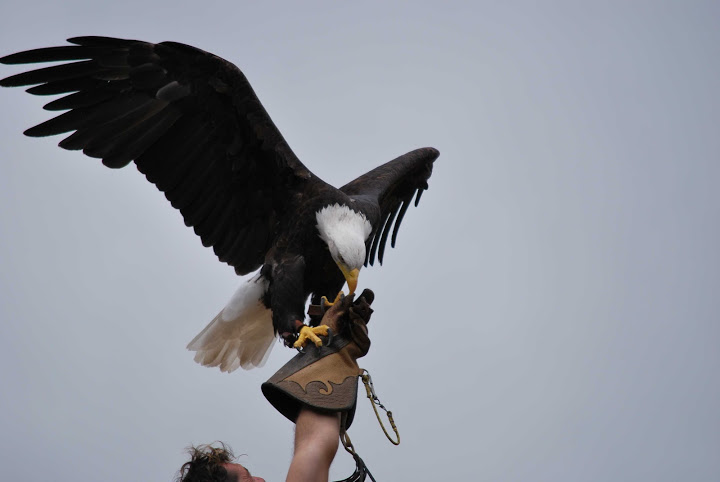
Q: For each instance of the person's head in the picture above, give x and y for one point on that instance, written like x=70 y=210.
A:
x=214 y=464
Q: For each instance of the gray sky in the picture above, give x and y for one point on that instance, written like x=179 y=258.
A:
x=550 y=312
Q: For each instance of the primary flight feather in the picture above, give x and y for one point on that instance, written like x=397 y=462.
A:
x=194 y=127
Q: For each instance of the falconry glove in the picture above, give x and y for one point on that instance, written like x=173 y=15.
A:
x=325 y=378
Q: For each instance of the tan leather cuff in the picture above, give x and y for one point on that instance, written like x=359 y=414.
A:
x=325 y=378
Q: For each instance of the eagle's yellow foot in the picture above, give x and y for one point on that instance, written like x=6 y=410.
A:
x=328 y=304
x=307 y=333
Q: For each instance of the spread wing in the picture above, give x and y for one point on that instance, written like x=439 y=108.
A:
x=392 y=186
x=189 y=120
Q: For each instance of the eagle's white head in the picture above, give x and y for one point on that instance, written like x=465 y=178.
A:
x=345 y=232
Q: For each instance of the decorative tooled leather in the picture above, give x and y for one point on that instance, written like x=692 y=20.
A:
x=324 y=378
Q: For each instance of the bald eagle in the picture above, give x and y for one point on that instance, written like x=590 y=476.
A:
x=194 y=127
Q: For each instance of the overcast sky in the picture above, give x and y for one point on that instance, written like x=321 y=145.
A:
x=550 y=312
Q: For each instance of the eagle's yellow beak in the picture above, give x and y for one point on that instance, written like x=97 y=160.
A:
x=351 y=276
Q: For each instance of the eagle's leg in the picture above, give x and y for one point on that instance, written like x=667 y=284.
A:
x=312 y=334
x=328 y=304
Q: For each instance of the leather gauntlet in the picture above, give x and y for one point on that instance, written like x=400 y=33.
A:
x=326 y=378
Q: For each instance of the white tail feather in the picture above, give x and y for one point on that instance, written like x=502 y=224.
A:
x=241 y=335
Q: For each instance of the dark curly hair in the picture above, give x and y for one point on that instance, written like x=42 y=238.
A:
x=205 y=463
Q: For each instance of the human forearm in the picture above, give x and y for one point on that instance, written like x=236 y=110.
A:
x=316 y=442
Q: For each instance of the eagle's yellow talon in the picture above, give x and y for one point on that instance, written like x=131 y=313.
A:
x=327 y=304
x=311 y=334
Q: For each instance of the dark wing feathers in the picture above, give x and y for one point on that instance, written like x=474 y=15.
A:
x=49 y=54
x=190 y=121
x=392 y=186
x=63 y=86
